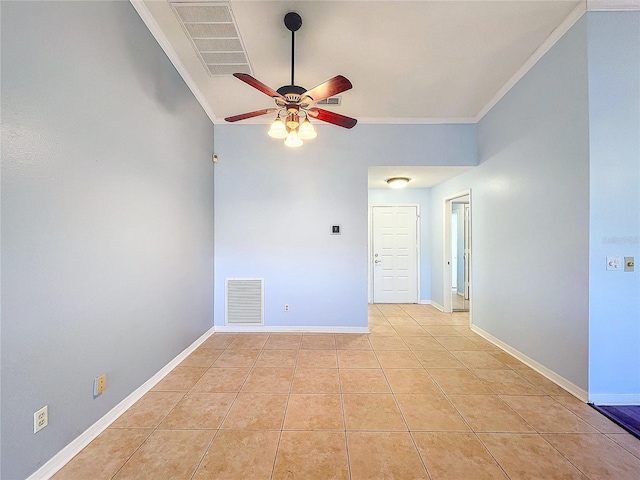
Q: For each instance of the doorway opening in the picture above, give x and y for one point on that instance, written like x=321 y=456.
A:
x=457 y=253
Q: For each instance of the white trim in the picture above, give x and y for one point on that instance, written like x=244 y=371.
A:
x=165 y=44
x=446 y=249
x=541 y=369
x=424 y=302
x=613 y=5
x=290 y=329
x=65 y=455
x=550 y=41
x=437 y=305
x=615 y=398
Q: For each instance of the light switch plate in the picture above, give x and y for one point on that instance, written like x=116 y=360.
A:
x=613 y=263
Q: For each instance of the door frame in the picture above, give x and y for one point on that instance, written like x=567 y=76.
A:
x=370 y=246
x=446 y=249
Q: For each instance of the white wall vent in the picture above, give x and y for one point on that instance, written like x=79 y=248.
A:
x=214 y=35
x=244 y=301
x=335 y=101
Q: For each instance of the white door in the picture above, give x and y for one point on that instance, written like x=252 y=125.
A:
x=395 y=254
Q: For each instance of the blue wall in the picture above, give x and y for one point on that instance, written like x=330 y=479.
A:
x=275 y=206
x=530 y=214
x=107 y=228
x=614 y=134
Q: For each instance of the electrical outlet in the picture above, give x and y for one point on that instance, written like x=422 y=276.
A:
x=41 y=419
x=286 y=307
x=100 y=384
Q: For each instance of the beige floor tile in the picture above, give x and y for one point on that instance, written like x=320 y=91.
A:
x=401 y=320
x=167 y=454
x=479 y=360
x=384 y=455
x=277 y=358
x=456 y=456
x=357 y=359
x=546 y=415
x=236 y=358
x=318 y=341
x=104 y=456
x=256 y=411
x=429 y=320
x=627 y=441
x=437 y=359
x=483 y=344
x=316 y=380
x=352 y=341
x=430 y=413
x=528 y=457
x=411 y=380
x=464 y=330
x=424 y=343
x=221 y=380
x=588 y=414
x=458 y=343
x=442 y=330
x=597 y=456
x=458 y=381
x=268 y=380
x=149 y=411
x=388 y=343
x=541 y=383
x=180 y=379
x=202 y=357
x=240 y=455
x=506 y=382
x=373 y=412
x=249 y=341
x=199 y=411
x=283 y=341
x=363 y=380
x=310 y=455
x=317 y=359
x=382 y=330
x=411 y=331
x=508 y=360
x=488 y=413
x=397 y=359
x=220 y=340
x=314 y=412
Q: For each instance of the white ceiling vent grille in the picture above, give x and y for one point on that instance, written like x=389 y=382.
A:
x=245 y=301
x=214 y=36
x=334 y=101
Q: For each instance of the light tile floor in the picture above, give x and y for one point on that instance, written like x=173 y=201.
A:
x=420 y=397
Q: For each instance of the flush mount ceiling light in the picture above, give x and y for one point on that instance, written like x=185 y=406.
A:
x=295 y=104
x=398 y=182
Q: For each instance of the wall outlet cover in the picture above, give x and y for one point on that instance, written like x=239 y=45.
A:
x=41 y=419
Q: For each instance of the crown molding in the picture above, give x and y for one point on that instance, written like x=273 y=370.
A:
x=613 y=5
x=163 y=41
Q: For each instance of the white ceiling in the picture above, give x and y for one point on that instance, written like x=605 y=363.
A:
x=416 y=61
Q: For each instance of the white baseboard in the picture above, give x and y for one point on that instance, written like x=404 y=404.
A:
x=437 y=305
x=615 y=398
x=541 y=369
x=61 y=458
x=288 y=329
x=424 y=302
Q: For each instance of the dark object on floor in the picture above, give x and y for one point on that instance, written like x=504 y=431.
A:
x=627 y=416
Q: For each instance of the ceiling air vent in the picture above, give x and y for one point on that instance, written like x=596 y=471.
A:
x=214 y=36
x=335 y=101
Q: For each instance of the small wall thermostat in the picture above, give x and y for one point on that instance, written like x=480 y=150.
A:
x=335 y=229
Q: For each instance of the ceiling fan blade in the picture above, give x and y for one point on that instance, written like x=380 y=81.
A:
x=257 y=113
x=257 y=84
x=333 y=86
x=332 y=117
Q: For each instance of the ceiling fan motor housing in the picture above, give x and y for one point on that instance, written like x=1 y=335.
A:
x=292 y=21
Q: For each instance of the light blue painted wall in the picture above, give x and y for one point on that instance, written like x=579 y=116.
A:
x=107 y=228
x=275 y=207
x=421 y=197
x=614 y=120
x=530 y=214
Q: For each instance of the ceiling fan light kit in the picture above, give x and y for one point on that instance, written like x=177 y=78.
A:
x=398 y=182
x=295 y=104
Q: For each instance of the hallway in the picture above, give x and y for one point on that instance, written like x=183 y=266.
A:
x=421 y=396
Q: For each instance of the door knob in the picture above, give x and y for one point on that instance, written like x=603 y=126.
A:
x=377 y=261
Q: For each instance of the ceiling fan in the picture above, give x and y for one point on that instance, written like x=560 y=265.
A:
x=296 y=104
